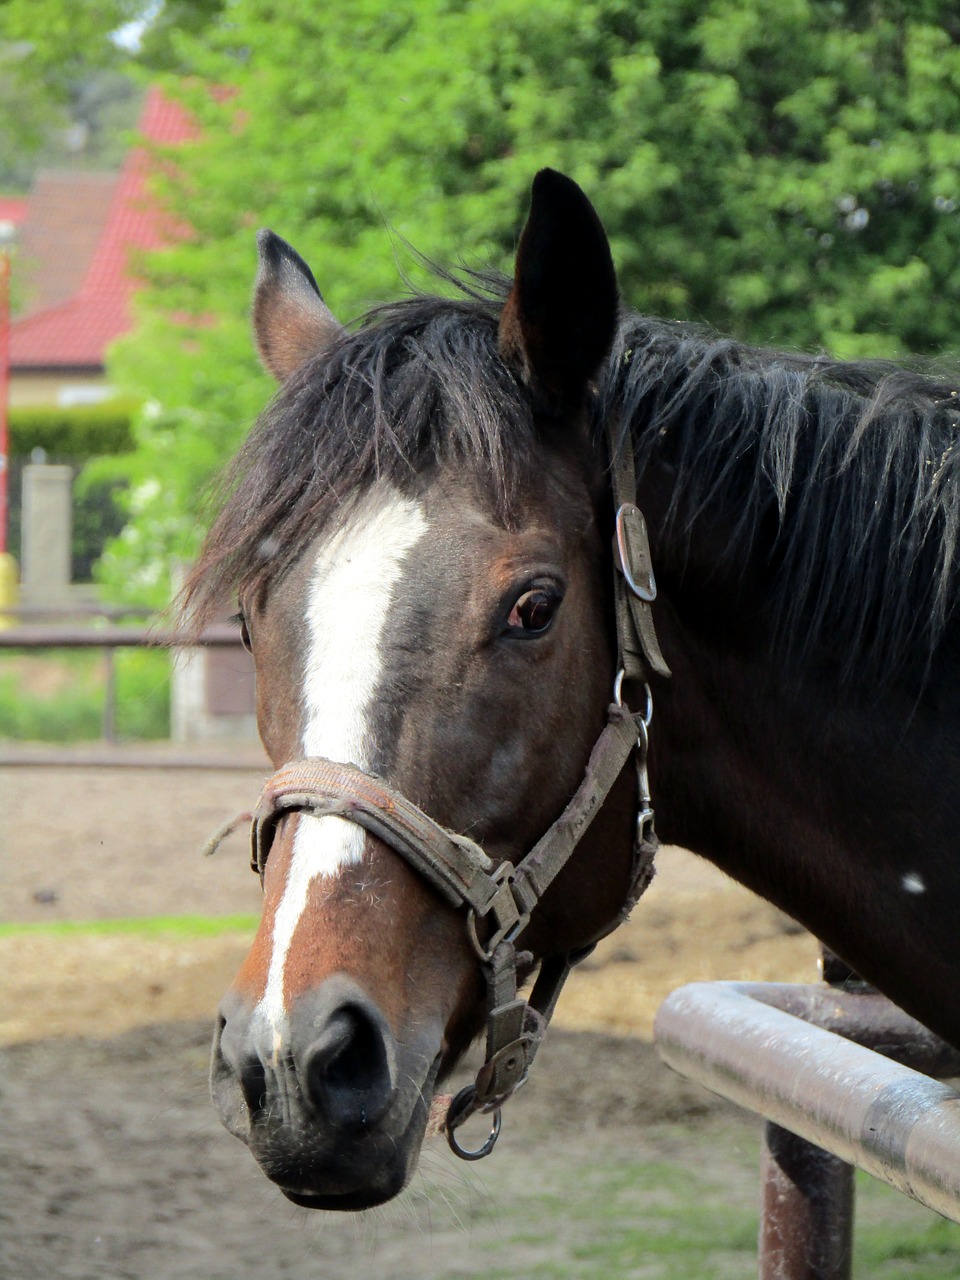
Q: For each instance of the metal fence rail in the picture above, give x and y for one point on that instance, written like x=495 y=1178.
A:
x=113 y=636
x=831 y=1104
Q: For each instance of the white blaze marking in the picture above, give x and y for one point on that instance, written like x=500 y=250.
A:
x=349 y=598
x=912 y=883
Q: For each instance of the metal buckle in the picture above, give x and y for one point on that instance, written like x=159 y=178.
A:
x=504 y=908
x=515 y=1058
x=645 y=813
x=644 y=831
x=630 y=520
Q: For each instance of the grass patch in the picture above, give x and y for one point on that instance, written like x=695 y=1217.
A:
x=59 y=696
x=673 y=1202
x=653 y=1218
x=189 y=926
x=896 y=1239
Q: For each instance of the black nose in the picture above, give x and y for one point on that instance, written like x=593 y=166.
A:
x=347 y=1070
x=334 y=1056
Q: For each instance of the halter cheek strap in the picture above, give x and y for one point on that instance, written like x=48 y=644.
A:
x=635 y=587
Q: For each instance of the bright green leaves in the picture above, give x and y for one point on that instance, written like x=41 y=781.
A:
x=785 y=169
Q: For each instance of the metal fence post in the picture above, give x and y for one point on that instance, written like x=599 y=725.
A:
x=806 y=1224
x=109 y=730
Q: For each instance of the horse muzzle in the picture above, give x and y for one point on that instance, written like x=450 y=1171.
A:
x=331 y=1105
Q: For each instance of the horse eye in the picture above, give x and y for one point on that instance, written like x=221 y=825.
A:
x=244 y=633
x=534 y=611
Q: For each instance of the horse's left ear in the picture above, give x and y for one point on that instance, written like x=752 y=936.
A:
x=291 y=321
x=559 y=320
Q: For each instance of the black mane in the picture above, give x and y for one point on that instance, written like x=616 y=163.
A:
x=418 y=383
x=857 y=462
x=841 y=477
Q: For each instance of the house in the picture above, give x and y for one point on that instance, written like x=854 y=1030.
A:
x=76 y=236
x=13 y=210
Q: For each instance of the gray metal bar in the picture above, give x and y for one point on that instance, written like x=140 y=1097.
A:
x=867 y=1110
x=109 y=723
x=806 y=1223
x=113 y=637
x=865 y=1017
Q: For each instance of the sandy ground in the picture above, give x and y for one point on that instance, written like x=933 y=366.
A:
x=95 y=844
x=111 y=1158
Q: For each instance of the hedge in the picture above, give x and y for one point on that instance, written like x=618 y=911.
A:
x=79 y=432
x=74 y=435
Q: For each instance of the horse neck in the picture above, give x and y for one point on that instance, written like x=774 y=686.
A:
x=840 y=809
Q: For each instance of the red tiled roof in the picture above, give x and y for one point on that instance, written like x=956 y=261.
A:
x=65 y=220
x=77 y=331
x=13 y=209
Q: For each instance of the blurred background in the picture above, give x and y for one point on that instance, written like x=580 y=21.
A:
x=787 y=171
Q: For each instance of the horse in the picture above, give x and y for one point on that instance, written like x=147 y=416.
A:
x=434 y=533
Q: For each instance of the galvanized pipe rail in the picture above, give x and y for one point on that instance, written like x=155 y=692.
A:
x=837 y=1074
x=114 y=636
x=78 y=609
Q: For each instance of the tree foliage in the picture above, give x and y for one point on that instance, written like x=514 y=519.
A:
x=65 y=99
x=786 y=170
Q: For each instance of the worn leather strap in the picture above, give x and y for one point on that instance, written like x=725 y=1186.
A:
x=537 y=871
x=501 y=895
x=456 y=866
x=635 y=587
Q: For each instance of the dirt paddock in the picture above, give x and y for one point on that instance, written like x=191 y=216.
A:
x=112 y=1161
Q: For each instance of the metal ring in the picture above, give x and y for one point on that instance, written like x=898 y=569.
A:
x=464 y=1153
x=647 y=695
x=648 y=705
x=618 y=687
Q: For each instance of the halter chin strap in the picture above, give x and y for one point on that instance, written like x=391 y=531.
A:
x=499 y=897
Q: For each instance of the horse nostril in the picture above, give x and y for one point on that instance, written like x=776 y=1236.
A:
x=253 y=1083
x=348 y=1070
x=237 y=1076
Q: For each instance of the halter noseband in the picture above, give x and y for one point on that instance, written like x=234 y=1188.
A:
x=499 y=898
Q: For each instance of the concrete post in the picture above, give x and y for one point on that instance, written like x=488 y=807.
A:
x=45 y=534
x=212 y=692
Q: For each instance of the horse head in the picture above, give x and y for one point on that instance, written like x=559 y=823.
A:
x=420 y=535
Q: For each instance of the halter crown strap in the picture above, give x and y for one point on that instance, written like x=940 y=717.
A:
x=635 y=587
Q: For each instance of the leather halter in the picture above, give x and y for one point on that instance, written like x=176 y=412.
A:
x=499 y=898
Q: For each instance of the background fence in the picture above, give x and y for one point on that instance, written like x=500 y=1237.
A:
x=215 y=698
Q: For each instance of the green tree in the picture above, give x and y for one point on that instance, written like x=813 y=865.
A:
x=64 y=97
x=71 y=73
x=788 y=170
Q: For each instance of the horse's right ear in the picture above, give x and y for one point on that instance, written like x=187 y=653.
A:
x=559 y=321
x=291 y=321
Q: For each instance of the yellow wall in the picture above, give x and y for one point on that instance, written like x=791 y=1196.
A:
x=40 y=388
